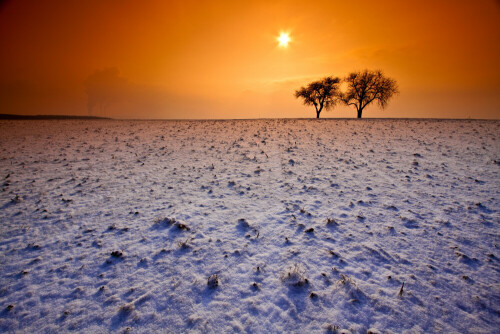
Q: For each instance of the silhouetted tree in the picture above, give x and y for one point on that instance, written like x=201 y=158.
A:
x=320 y=94
x=365 y=87
x=102 y=88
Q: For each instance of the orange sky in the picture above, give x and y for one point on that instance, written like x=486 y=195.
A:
x=220 y=59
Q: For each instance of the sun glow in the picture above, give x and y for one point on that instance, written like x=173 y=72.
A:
x=284 y=39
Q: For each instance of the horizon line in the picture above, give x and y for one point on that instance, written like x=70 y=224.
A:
x=86 y=117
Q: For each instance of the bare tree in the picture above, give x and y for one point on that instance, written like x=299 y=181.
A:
x=365 y=87
x=320 y=94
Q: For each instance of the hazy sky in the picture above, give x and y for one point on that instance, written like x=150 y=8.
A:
x=221 y=59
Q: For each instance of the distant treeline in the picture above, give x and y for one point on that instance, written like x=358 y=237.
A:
x=18 y=117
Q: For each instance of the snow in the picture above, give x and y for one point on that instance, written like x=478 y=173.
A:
x=250 y=226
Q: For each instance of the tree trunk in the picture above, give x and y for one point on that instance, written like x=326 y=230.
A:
x=318 y=111
x=360 y=111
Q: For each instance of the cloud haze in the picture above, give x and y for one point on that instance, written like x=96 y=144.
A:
x=220 y=59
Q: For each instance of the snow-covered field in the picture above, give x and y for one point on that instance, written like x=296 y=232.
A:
x=309 y=225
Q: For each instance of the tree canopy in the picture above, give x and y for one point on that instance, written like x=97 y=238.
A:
x=367 y=86
x=322 y=94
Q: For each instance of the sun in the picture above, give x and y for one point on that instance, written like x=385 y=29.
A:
x=283 y=39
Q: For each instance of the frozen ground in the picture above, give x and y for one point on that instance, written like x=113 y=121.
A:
x=309 y=225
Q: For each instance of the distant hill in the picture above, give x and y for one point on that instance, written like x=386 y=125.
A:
x=40 y=117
